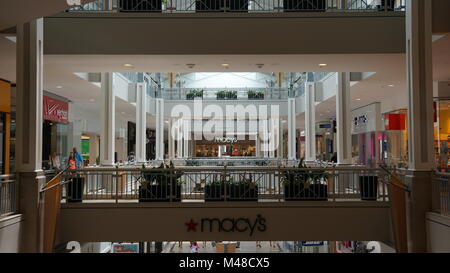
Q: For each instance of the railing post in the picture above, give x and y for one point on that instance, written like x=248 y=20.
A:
x=116 y=177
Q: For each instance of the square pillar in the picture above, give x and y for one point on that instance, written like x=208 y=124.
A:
x=107 y=119
x=310 y=122
x=343 y=119
x=141 y=122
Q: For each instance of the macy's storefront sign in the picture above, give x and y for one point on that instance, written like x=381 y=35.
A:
x=247 y=225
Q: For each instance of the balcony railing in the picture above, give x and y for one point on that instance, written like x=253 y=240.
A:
x=226 y=184
x=8 y=195
x=440 y=191
x=183 y=6
x=250 y=94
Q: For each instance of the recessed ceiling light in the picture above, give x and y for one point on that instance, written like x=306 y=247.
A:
x=59 y=86
x=225 y=65
x=127 y=65
x=259 y=65
x=358 y=99
x=190 y=65
x=322 y=65
x=391 y=85
x=92 y=100
x=123 y=113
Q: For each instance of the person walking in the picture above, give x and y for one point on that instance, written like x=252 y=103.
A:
x=78 y=157
x=55 y=163
x=72 y=162
x=194 y=247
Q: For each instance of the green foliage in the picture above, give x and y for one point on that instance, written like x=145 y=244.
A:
x=167 y=176
x=304 y=175
x=195 y=93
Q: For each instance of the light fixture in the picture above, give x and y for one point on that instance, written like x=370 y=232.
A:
x=190 y=65
x=123 y=113
x=59 y=86
x=259 y=65
x=391 y=85
x=225 y=65
x=128 y=65
x=358 y=99
x=322 y=65
x=91 y=100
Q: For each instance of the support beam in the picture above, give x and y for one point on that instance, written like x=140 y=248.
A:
x=141 y=122
x=291 y=129
x=420 y=119
x=108 y=120
x=310 y=122
x=343 y=119
x=29 y=115
x=159 y=129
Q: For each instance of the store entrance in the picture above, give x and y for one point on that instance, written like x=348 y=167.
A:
x=225 y=148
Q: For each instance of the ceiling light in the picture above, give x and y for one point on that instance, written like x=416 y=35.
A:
x=225 y=65
x=358 y=99
x=190 y=65
x=322 y=65
x=59 y=86
x=390 y=85
x=127 y=65
x=92 y=100
x=123 y=113
x=259 y=65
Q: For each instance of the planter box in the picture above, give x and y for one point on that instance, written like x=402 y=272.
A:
x=215 y=192
x=368 y=186
x=243 y=192
x=255 y=96
x=220 y=5
x=74 y=190
x=304 y=5
x=193 y=96
x=140 y=5
x=298 y=192
x=160 y=193
x=226 y=97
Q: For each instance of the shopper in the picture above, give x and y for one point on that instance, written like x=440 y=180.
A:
x=55 y=163
x=78 y=157
x=72 y=162
x=194 y=247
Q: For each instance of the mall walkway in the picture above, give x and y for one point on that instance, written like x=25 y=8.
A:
x=245 y=247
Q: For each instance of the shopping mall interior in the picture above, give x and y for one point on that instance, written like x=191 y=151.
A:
x=264 y=126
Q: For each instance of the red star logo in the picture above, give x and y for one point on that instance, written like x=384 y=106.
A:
x=191 y=225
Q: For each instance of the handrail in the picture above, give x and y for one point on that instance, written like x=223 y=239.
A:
x=45 y=188
x=399 y=183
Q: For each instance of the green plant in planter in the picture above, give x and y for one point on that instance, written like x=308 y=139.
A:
x=303 y=175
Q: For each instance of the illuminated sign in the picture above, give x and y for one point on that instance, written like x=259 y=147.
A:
x=228 y=225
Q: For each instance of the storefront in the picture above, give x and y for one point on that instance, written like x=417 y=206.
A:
x=55 y=129
x=324 y=140
x=395 y=139
x=367 y=135
x=220 y=147
x=5 y=127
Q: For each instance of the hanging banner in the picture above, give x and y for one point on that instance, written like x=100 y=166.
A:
x=56 y=110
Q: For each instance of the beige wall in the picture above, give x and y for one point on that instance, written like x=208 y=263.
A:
x=438 y=229
x=297 y=221
x=10 y=228
x=276 y=33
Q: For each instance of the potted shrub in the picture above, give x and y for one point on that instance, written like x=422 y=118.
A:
x=161 y=185
x=194 y=94
x=304 y=5
x=255 y=95
x=243 y=190
x=215 y=190
x=304 y=184
x=226 y=95
x=368 y=186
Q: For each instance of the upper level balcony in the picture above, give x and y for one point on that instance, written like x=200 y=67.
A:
x=246 y=6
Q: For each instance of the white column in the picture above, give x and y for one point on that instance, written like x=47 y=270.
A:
x=29 y=120
x=258 y=145
x=420 y=121
x=291 y=129
x=186 y=137
x=159 y=129
x=343 y=119
x=281 y=142
x=108 y=120
x=171 y=140
x=420 y=85
x=310 y=122
x=141 y=122
x=29 y=96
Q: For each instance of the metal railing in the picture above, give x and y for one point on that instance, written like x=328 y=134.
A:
x=233 y=162
x=440 y=193
x=224 y=94
x=203 y=184
x=8 y=194
x=247 y=6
